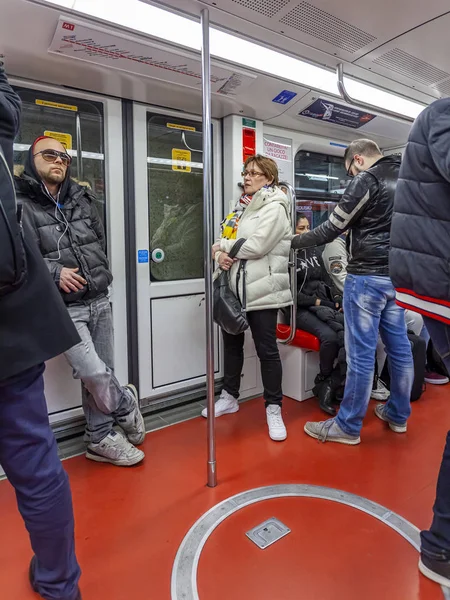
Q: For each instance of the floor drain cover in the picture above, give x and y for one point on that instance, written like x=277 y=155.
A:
x=268 y=533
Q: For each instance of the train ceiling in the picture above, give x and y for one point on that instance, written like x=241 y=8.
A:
x=391 y=46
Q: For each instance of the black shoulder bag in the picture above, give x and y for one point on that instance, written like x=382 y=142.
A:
x=228 y=312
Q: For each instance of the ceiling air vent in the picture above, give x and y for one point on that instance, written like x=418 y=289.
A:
x=268 y=8
x=443 y=88
x=322 y=25
x=410 y=66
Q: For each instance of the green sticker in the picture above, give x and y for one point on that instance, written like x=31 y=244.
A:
x=248 y=123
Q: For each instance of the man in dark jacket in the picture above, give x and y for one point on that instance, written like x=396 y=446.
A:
x=71 y=239
x=365 y=210
x=420 y=271
x=34 y=327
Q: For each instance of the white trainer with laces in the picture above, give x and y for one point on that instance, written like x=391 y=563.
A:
x=133 y=424
x=115 y=449
x=225 y=405
x=277 y=428
x=380 y=392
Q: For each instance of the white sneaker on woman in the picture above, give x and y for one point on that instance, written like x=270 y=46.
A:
x=225 y=405
x=277 y=428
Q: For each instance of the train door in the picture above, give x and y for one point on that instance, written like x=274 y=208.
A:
x=169 y=237
x=91 y=129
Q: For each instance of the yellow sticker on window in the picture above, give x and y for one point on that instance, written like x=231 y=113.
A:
x=64 y=138
x=58 y=105
x=177 y=126
x=181 y=160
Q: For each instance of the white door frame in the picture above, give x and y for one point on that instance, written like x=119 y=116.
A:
x=146 y=289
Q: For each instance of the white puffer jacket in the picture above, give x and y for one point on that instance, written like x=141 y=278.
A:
x=266 y=226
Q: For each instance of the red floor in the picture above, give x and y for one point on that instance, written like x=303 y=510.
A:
x=130 y=522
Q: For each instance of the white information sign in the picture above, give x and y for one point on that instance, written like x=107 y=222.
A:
x=280 y=149
x=102 y=47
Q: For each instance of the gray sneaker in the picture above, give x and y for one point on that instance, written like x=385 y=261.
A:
x=133 y=423
x=380 y=411
x=115 y=449
x=329 y=431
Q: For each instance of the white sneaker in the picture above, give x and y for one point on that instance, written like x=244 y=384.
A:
x=133 y=423
x=277 y=429
x=115 y=449
x=225 y=405
x=380 y=392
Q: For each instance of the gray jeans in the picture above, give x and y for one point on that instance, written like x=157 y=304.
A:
x=92 y=361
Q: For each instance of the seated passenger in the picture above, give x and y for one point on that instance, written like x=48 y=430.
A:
x=71 y=239
x=262 y=217
x=318 y=303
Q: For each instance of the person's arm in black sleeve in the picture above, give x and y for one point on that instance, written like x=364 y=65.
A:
x=10 y=107
x=304 y=300
x=438 y=140
x=349 y=209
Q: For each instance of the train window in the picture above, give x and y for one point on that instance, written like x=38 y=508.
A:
x=320 y=179
x=175 y=182
x=77 y=123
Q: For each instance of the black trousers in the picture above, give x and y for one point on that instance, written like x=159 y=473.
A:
x=329 y=343
x=263 y=325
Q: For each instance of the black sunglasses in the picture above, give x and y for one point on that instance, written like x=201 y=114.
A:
x=52 y=155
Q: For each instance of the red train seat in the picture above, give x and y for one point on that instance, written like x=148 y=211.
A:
x=302 y=339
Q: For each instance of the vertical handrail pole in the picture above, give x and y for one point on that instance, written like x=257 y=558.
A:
x=292 y=266
x=208 y=241
x=80 y=174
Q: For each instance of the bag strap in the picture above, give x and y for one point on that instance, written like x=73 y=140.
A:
x=236 y=247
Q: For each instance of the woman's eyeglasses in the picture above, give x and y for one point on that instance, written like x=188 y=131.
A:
x=52 y=155
x=251 y=173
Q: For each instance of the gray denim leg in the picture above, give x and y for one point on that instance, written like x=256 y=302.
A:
x=92 y=362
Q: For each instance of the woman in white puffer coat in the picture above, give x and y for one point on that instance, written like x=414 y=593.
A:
x=262 y=217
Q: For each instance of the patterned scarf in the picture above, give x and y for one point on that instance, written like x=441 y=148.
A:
x=228 y=227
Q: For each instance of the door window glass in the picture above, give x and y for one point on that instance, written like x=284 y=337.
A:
x=320 y=180
x=77 y=123
x=175 y=192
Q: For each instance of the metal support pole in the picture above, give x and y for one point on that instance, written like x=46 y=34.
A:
x=80 y=174
x=208 y=241
x=292 y=265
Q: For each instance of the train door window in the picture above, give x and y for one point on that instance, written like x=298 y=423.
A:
x=320 y=180
x=175 y=184
x=77 y=123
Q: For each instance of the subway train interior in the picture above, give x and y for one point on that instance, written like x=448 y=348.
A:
x=120 y=85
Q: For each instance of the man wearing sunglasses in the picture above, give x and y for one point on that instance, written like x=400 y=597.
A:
x=34 y=327
x=71 y=238
x=365 y=211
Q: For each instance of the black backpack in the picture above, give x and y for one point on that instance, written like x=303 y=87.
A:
x=13 y=264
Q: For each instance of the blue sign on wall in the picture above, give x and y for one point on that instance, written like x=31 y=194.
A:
x=330 y=112
x=284 y=97
x=142 y=256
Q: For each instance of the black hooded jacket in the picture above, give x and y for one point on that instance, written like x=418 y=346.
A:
x=366 y=211
x=420 y=234
x=69 y=234
x=34 y=323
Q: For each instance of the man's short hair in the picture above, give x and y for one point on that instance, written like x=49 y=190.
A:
x=365 y=147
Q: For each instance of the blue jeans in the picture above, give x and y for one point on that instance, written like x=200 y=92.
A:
x=29 y=456
x=369 y=308
x=92 y=361
x=436 y=541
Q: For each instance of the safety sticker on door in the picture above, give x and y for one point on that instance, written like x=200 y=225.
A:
x=64 y=138
x=181 y=160
x=142 y=256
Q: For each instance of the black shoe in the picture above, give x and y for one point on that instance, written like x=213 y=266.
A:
x=325 y=394
x=32 y=580
x=436 y=570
